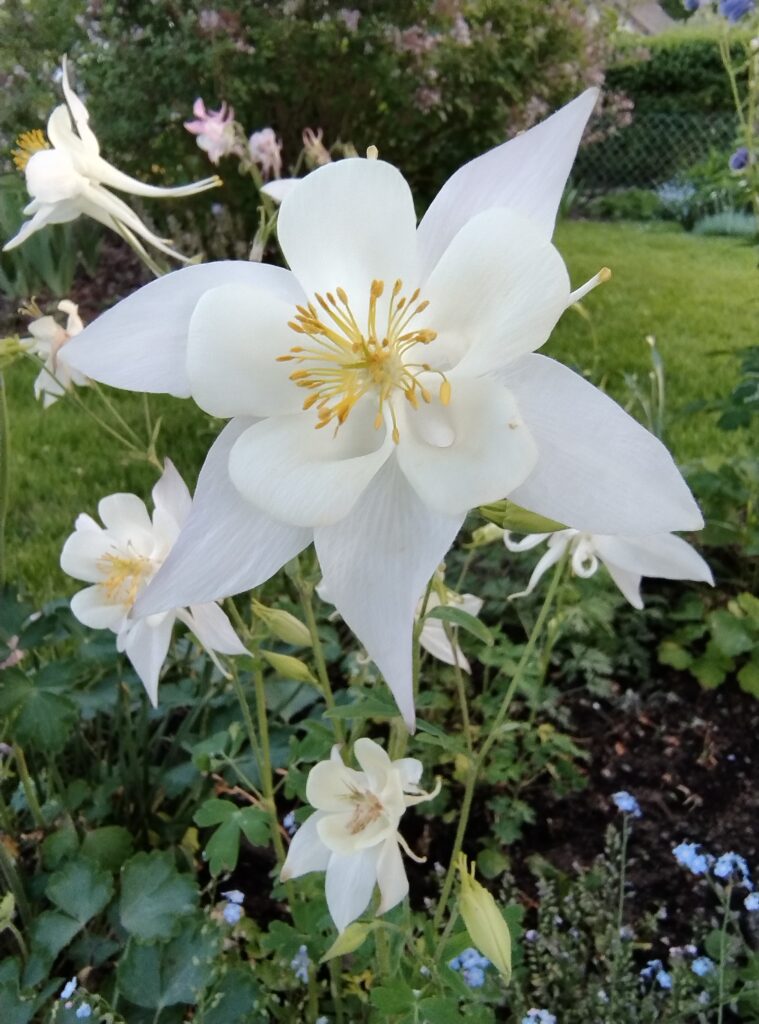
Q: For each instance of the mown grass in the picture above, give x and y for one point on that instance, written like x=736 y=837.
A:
x=696 y=295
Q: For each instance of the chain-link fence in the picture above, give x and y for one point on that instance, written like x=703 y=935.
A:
x=653 y=149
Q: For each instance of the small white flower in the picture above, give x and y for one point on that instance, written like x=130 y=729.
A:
x=433 y=637
x=120 y=559
x=69 y=178
x=47 y=340
x=628 y=559
x=353 y=835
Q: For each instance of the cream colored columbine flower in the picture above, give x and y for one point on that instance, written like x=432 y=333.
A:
x=67 y=177
x=120 y=558
x=353 y=835
x=627 y=559
x=384 y=386
x=47 y=341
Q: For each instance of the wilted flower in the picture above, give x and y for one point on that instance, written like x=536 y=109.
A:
x=688 y=856
x=626 y=803
x=413 y=354
x=266 y=150
x=215 y=130
x=317 y=154
x=739 y=160
x=120 y=559
x=69 y=179
x=627 y=559
x=48 y=338
x=353 y=835
x=734 y=10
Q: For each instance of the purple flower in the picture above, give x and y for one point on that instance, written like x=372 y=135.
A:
x=300 y=964
x=626 y=803
x=739 y=160
x=702 y=966
x=691 y=5
x=687 y=856
x=734 y=10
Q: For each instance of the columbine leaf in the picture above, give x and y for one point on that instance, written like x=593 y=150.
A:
x=81 y=889
x=175 y=972
x=155 y=897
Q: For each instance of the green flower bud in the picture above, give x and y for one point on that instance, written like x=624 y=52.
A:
x=483 y=919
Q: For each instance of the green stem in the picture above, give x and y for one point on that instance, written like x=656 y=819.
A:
x=247 y=718
x=30 y=791
x=13 y=882
x=307 y=604
x=19 y=941
x=5 y=473
x=723 y=953
x=460 y=690
x=334 y=987
x=475 y=767
x=267 y=780
x=620 y=914
x=382 y=945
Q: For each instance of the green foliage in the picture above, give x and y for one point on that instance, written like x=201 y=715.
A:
x=233 y=822
x=155 y=898
x=678 y=71
x=627 y=204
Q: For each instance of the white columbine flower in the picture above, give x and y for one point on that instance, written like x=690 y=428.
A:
x=385 y=385
x=628 y=559
x=353 y=835
x=68 y=178
x=120 y=559
x=433 y=636
x=47 y=340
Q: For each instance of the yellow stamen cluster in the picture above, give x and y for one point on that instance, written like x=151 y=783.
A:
x=125 y=576
x=367 y=809
x=27 y=145
x=348 y=361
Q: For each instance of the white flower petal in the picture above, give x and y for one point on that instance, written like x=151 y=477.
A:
x=79 y=114
x=330 y=784
x=346 y=224
x=598 y=469
x=376 y=563
x=374 y=762
x=307 y=852
x=171 y=496
x=125 y=516
x=548 y=559
x=496 y=293
x=279 y=188
x=341 y=834
x=526 y=543
x=51 y=176
x=628 y=583
x=306 y=476
x=236 y=335
x=213 y=629
x=661 y=555
x=44 y=214
x=475 y=450
x=90 y=607
x=527 y=174
x=146 y=647
x=391 y=876
x=349 y=884
x=82 y=553
x=434 y=640
x=141 y=343
x=226 y=545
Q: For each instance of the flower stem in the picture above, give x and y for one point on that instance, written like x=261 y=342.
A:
x=723 y=952
x=5 y=473
x=13 y=883
x=307 y=604
x=479 y=760
x=27 y=783
x=267 y=780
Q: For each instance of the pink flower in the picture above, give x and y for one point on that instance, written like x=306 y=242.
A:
x=266 y=151
x=215 y=130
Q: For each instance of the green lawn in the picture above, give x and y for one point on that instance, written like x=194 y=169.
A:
x=696 y=295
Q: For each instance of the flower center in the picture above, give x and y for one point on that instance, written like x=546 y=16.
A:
x=367 y=808
x=27 y=144
x=125 y=576
x=347 y=361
